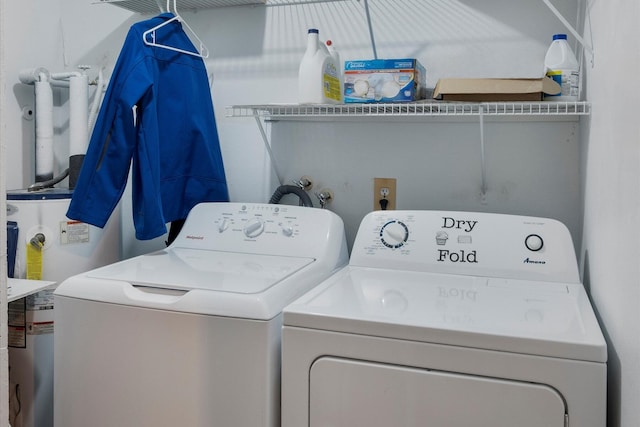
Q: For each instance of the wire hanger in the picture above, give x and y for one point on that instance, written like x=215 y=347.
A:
x=149 y=36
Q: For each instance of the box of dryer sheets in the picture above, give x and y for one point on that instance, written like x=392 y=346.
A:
x=384 y=80
x=494 y=90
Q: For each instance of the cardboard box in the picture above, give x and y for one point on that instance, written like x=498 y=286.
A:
x=494 y=90
x=384 y=80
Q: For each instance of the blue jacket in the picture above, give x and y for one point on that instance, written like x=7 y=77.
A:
x=171 y=137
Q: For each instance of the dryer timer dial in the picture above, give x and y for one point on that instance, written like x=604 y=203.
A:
x=394 y=234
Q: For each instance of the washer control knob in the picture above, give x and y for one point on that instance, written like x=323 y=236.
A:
x=287 y=230
x=533 y=242
x=254 y=228
x=223 y=225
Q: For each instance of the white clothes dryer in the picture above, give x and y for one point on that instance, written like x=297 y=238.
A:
x=190 y=335
x=447 y=319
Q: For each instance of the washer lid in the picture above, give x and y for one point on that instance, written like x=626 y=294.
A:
x=189 y=269
x=540 y=318
x=197 y=281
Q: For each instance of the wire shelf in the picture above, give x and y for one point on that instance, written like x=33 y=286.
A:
x=413 y=109
x=152 y=6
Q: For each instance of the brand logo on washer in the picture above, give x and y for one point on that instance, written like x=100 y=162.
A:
x=195 y=237
x=533 y=261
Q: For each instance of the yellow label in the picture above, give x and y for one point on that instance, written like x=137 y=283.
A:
x=331 y=87
x=34 y=262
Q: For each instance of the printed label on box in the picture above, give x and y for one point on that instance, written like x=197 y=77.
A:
x=383 y=80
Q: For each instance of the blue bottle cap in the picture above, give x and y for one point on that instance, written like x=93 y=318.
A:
x=559 y=36
x=315 y=30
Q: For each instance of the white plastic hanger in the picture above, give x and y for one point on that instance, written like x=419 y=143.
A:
x=149 y=36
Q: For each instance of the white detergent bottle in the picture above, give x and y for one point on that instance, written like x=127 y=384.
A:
x=562 y=66
x=318 y=76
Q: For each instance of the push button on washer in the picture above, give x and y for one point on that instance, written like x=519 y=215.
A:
x=533 y=242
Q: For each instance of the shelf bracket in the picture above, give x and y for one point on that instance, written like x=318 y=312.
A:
x=161 y=6
x=370 y=26
x=586 y=46
x=267 y=146
x=483 y=164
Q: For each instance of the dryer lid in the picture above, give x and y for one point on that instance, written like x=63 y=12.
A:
x=540 y=318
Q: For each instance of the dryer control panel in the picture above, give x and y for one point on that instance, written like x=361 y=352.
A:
x=263 y=229
x=483 y=244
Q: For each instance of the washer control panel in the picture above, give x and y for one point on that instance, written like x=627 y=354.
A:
x=260 y=228
x=493 y=245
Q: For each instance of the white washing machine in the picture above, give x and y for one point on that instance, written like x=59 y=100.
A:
x=447 y=319
x=190 y=335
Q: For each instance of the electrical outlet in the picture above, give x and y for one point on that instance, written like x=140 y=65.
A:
x=384 y=188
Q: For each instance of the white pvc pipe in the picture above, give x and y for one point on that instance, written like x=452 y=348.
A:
x=64 y=75
x=44 y=129
x=32 y=75
x=80 y=121
x=78 y=114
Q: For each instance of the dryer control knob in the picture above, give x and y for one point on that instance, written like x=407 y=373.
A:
x=533 y=242
x=254 y=228
x=394 y=234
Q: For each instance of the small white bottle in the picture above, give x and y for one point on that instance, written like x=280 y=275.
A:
x=562 y=66
x=319 y=74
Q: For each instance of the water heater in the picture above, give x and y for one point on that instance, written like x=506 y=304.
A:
x=49 y=246
x=67 y=247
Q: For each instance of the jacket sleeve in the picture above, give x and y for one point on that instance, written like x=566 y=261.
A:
x=105 y=169
x=148 y=214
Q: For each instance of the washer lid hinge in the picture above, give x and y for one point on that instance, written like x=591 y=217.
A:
x=566 y=420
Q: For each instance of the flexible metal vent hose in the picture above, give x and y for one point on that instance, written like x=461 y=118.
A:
x=305 y=200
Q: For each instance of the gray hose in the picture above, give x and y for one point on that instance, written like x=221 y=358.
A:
x=49 y=183
x=305 y=200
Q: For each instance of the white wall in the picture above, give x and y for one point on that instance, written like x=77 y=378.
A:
x=4 y=352
x=531 y=168
x=255 y=53
x=612 y=198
